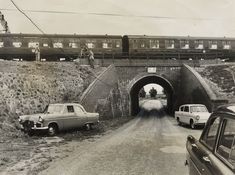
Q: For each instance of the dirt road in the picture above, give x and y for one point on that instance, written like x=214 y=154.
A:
x=150 y=144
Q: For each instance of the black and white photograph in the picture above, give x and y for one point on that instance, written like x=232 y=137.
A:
x=117 y=87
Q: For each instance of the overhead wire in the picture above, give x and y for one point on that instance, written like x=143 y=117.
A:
x=117 y=15
x=21 y=11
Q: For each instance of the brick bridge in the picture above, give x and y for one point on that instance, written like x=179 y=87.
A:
x=116 y=90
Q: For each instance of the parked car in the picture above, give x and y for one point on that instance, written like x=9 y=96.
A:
x=214 y=152
x=192 y=114
x=58 y=117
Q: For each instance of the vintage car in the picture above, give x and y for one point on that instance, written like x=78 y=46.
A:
x=58 y=117
x=192 y=114
x=214 y=152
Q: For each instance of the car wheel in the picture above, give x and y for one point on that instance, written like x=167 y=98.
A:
x=178 y=121
x=30 y=132
x=192 y=125
x=88 y=126
x=52 y=130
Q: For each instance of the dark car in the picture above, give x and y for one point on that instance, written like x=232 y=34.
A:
x=214 y=152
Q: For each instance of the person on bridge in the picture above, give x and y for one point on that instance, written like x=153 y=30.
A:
x=37 y=52
x=91 y=59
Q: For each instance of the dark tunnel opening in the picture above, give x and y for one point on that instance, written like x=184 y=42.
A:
x=134 y=92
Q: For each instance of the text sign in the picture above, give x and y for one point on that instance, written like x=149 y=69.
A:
x=152 y=70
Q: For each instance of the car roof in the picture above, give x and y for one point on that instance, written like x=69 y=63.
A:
x=229 y=108
x=193 y=105
x=65 y=104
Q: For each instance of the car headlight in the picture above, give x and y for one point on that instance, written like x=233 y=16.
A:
x=40 y=119
x=19 y=119
x=197 y=117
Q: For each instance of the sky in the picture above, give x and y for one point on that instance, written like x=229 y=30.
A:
x=155 y=86
x=214 y=18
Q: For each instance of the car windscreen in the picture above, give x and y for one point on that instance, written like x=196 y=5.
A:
x=54 y=109
x=198 y=109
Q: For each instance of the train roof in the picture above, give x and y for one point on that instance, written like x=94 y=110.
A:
x=178 y=37
x=111 y=36
x=59 y=35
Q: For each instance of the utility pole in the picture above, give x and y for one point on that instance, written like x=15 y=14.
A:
x=4 y=24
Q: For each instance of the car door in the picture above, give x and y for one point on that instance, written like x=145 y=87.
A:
x=181 y=113
x=201 y=152
x=186 y=115
x=81 y=116
x=69 y=117
x=225 y=149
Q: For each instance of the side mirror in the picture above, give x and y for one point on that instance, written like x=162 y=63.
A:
x=191 y=139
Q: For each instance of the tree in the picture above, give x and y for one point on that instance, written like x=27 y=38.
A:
x=153 y=92
x=142 y=93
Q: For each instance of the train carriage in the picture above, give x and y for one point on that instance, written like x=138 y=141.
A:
x=56 y=46
x=165 y=47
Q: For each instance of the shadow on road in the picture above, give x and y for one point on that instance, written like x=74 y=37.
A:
x=151 y=108
x=152 y=113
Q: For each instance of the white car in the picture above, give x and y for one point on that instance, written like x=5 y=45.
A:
x=192 y=114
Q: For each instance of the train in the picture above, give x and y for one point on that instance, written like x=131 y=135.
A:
x=57 y=46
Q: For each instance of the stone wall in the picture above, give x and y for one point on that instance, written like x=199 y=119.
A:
x=194 y=89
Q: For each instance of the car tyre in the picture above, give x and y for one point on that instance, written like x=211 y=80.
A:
x=192 y=125
x=88 y=126
x=52 y=129
x=31 y=133
x=178 y=121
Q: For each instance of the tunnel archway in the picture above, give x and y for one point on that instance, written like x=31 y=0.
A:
x=142 y=81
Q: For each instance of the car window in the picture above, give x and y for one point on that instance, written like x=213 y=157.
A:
x=209 y=136
x=226 y=146
x=79 y=109
x=198 y=109
x=186 y=109
x=70 y=109
x=54 y=109
x=182 y=108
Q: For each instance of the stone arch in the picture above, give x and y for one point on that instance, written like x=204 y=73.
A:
x=138 y=83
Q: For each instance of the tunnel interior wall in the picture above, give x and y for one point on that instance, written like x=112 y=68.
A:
x=126 y=75
x=194 y=89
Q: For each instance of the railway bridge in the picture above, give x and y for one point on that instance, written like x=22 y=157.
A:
x=116 y=90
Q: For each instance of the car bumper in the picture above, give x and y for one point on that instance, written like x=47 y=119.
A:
x=199 y=124
x=32 y=126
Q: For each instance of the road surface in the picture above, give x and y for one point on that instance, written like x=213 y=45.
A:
x=151 y=144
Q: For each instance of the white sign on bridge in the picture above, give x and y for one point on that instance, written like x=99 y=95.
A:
x=152 y=70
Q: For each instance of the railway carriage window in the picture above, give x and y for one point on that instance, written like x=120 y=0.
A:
x=142 y=45
x=226 y=146
x=184 y=44
x=58 y=45
x=198 y=44
x=17 y=44
x=213 y=44
x=1 y=44
x=45 y=45
x=73 y=45
x=169 y=44
x=33 y=44
x=154 y=44
x=118 y=44
x=135 y=44
x=90 y=45
x=226 y=44
x=107 y=45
